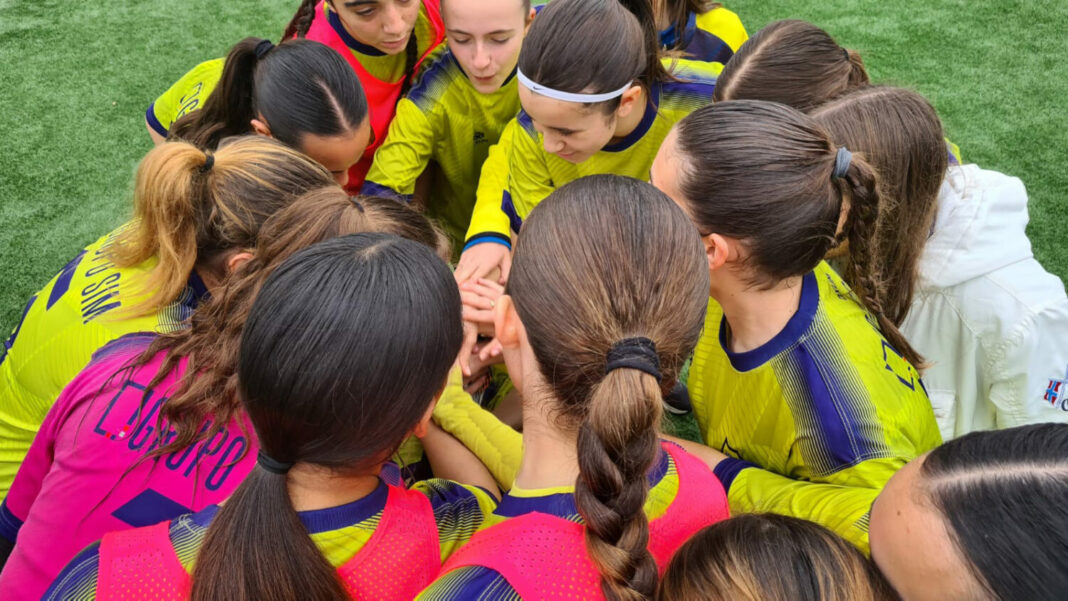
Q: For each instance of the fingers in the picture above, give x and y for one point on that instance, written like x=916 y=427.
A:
x=470 y=339
x=506 y=268
x=491 y=350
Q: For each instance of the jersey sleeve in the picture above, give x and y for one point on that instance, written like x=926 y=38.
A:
x=185 y=96
x=488 y=222
x=404 y=155
x=459 y=511
x=464 y=584
x=30 y=477
x=77 y=581
x=496 y=444
x=725 y=25
x=1030 y=373
x=529 y=180
x=840 y=502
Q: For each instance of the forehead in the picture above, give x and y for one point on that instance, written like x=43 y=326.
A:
x=558 y=114
x=482 y=16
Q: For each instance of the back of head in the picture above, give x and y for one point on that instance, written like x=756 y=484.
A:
x=593 y=47
x=899 y=133
x=768 y=557
x=770 y=177
x=192 y=206
x=214 y=334
x=330 y=331
x=297 y=88
x=602 y=261
x=1003 y=495
x=791 y=62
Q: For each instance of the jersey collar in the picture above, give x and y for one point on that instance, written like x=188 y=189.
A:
x=790 y=335
x=651 y=109
x=351 y=42
x=669 y=38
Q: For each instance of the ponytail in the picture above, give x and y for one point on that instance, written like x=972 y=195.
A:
x=229 y=109
x=301 y=22
x=258 y=549
x=617 y=445
x=655 y=72
x=411 y=57
x=860 y=186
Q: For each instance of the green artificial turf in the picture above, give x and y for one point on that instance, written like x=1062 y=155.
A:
x=77 y=77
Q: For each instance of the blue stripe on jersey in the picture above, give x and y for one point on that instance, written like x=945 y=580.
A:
x=370 y=188
x=706 y=47
x=514 y=220
x=433 y=81
x=9 y=524
x=147 y=508
x=728 y=469
x=351 y=42
x=527 y=123
x=137 y=341
x=647 y=121
x=790 y=335
x=474 y=583
x=78 y=580
x=343 y=516
x=153 y=122
x=63 y=280
x=489 y=237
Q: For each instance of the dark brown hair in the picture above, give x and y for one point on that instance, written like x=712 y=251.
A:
x=191 y=206
x=899 y=133
x=208 y=387
x=330 y=331
x=768 y=557
x=594 y=46
x=763 y=173
x=791 y=62
x=678 y=13
x=604 y=241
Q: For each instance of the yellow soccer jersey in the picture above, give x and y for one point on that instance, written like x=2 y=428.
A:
x=488 y=222
x=712 y=36
x=185 y=96
x=79 y=311
x=533 y=173
x=816 y=420
x=445 y=120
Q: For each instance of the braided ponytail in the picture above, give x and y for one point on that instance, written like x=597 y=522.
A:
x=301 y=22
x=411 y=57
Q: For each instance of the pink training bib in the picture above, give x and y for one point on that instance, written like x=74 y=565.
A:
x=544 y=557
x=401 y=558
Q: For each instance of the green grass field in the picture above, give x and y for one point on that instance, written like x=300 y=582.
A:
x=77 y=77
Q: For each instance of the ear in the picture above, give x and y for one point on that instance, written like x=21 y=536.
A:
x=237 y=260
x=629 y=101
x=530 y=19
x=423 y=426
x=717 y=248
x=260 y=127
x=506 y=322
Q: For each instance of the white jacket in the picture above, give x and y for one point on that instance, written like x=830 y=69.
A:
x=991 y=321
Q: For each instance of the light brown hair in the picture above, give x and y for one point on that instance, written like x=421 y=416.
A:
x=793 y=63
x=770 y=558
x=603 y=259
x=899 y=133
x=191 y=206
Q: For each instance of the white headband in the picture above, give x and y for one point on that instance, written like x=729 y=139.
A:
x=569 y=96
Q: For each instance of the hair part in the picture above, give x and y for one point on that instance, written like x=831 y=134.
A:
x=769 y=557
x=1002 y=495
x=793 y=63
x=763 y=173
x=604 y=241
x=325 y=338
x=899 y=133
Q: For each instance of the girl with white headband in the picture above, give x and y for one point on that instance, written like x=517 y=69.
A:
x=596 y=99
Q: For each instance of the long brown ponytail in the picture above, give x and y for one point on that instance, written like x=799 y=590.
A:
x=603 y=242
x=190 y=206
x=301 y=22
x=767 y=174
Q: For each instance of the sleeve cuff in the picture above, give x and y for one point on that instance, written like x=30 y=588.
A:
x=488 y=237
x=372 y=189
x=9 y=524
x=153 y=122
x=728 y=469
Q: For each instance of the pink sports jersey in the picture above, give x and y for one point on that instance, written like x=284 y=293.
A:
x=87 y=473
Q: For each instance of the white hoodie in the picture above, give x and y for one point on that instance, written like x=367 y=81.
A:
x=991 y=321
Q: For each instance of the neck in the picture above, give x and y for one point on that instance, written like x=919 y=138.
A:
x=313 y=487
x=757 y=316
x=626 y=125
x=549 y=455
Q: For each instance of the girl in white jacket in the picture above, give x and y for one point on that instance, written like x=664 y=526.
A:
x=964 y=284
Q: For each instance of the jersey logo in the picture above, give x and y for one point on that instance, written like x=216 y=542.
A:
x=480 y=138
x=1057 y=390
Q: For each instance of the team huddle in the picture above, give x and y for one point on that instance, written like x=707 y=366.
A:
x=418 y=302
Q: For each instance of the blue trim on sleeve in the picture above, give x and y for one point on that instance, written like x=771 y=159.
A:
x=508 y=207
x=708 y=48
x=493 y=237
x=9 y=524
x=153 y=122
x=375 y=189
x=70 y=582
x=794 y=330
x=728 y=469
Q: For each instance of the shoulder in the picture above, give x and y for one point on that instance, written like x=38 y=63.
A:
x=439 y=75
x=78 y=580
x=692 y=88
x=724 y=24
x=452 y=501
x=473 y=582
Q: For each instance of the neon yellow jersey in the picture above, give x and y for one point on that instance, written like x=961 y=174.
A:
x=488 y=222
x=185 y=96
x=445 y=120
x=816 y=420
x=534 y=173
x=712 y=36
x=79 y=311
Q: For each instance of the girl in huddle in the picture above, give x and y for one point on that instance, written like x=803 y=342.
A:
x=699 y=29
x=455 y=111
x=806 y=391
x=962 y=281
x=385 y=42
x=318 y=361
x=195 y=215
x=980 y=517
x=152 y=427
x=599 y=501
x=596 y=98
x=768 y=557
x=301 y=93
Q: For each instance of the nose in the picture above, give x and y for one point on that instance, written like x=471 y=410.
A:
x=393 y=22
x=552 y=143
x=482 y=57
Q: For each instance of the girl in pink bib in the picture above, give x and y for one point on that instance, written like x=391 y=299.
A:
x=606 y=299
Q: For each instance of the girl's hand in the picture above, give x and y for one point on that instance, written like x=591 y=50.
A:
x=481 y=260
x=479 y=297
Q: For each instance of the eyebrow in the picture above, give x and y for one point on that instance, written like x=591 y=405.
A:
x=462 y=32
x=360 y=2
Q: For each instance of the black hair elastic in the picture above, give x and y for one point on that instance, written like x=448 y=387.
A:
x=842 y=161
x=356 y=201
x=209 y=162
x=263 y=47
x=272 y=465
x=634 y=353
